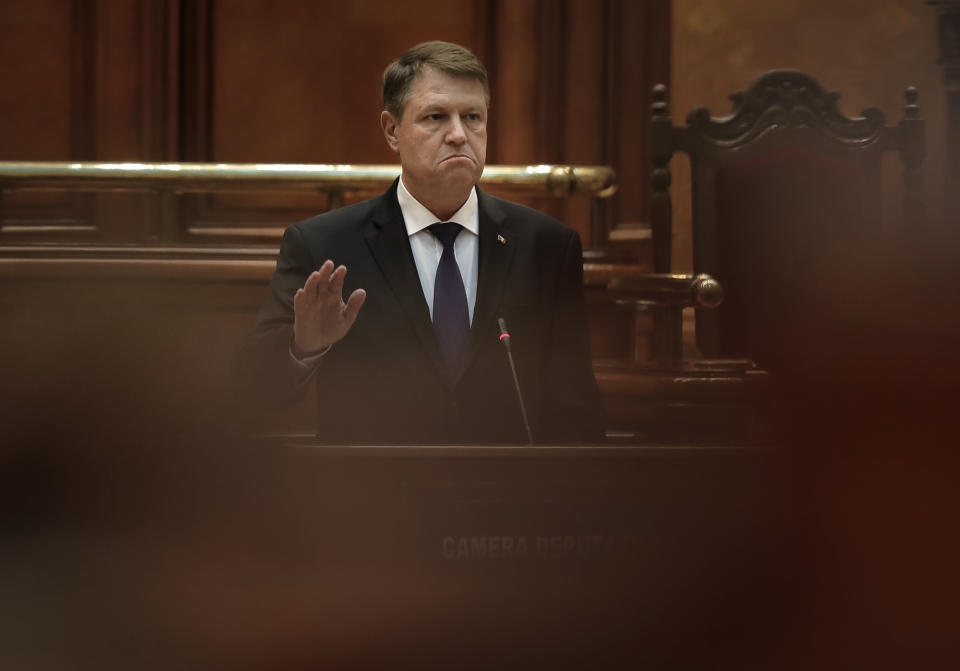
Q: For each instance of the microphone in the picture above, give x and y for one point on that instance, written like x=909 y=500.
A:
x=505 y=339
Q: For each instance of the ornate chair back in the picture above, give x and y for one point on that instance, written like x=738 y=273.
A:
x=784 y=181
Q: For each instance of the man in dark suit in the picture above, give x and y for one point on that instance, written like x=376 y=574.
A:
x=414 y=354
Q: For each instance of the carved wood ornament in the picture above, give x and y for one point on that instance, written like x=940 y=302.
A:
x=784 y=99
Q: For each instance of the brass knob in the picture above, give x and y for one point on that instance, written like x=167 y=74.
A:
x=707 y=291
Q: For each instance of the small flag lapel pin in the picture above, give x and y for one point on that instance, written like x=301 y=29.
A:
x=502 y=240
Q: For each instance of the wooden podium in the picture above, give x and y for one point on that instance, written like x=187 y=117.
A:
x=663 y=555
x=223 y=552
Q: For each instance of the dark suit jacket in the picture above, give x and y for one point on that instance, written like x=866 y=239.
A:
x=385 y=382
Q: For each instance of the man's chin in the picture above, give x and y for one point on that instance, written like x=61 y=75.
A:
x=464 y=172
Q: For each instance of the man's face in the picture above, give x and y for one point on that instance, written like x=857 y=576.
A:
x=441 y=136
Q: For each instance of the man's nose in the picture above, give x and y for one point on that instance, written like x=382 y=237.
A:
x=456 y=133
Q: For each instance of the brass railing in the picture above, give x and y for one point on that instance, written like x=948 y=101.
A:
x=558 y=180
x=337 y=182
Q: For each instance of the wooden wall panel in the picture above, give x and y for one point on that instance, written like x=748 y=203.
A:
x=576 y=91
x=45 y=108
x=640 y=59
x=39 y=130
x=131 y=102
x=868 y=50
x=88 y=80
x=298 y=81
x=583 y=138
x=514 y=112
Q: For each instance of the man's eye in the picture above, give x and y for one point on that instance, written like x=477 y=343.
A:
x=434 y=117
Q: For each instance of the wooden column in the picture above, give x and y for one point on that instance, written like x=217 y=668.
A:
x=948 y=33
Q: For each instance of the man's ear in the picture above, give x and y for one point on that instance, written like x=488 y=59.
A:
x=389 y=125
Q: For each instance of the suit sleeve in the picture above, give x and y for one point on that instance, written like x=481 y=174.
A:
x=573 y=411
x=266 y=370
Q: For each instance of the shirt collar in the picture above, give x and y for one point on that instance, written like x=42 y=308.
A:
x=416 y=217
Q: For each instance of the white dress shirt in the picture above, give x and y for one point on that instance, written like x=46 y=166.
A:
x=427 y=249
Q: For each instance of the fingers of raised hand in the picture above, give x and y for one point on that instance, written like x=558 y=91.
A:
x=335 y=286
x=318 y=281
x=354 y=303
x=301 y=299
x=320 y=315
x=324 y=271
x=322 y=284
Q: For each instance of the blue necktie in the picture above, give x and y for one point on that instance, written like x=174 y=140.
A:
x=451 y=317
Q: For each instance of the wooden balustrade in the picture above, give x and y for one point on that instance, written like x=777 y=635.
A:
x=338 y=184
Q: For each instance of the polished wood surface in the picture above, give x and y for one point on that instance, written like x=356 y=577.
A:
x=298 y=82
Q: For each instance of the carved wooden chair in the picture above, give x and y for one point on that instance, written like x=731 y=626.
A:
x=784 y=180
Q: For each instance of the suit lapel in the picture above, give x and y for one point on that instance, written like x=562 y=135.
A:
x=386 y=236
x=497 y=246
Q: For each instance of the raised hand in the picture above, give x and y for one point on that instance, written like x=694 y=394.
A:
x=321 y=318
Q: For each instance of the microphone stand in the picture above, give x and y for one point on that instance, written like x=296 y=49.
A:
x=505 y=339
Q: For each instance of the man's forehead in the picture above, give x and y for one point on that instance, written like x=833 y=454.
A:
x=440 y=90
x=430 y=79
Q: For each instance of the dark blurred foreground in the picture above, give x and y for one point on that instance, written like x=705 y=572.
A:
x=144 y=525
